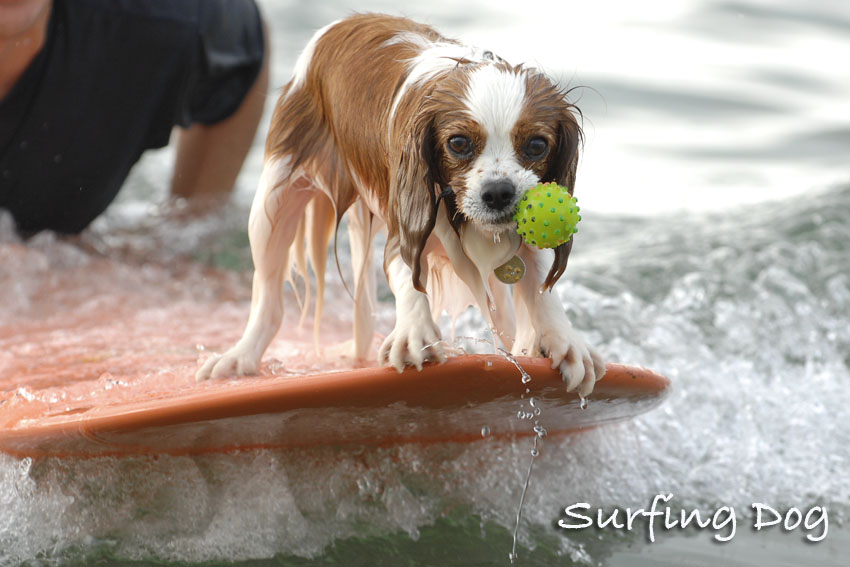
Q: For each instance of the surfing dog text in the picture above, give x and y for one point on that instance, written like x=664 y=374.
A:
x=723 y=521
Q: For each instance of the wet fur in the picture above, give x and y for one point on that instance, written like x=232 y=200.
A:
x=352 y=132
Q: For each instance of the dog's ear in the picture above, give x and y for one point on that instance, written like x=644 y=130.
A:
x=562 y=170
x=564 y=160
x=413 y=186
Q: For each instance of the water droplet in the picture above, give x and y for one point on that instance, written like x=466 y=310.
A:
x=583 y=404
x=535 y=452
x=485 y=431
x=531 y=401
x=526 y=377
x=540 y=431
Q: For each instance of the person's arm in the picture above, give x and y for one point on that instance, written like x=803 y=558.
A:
x=209 y=157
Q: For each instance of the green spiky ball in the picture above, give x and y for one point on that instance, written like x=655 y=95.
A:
x=547 y=215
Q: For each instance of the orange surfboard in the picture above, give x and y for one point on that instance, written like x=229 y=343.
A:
x=151 y=405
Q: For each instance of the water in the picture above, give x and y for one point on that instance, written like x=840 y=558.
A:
x=715 y=249
x=535 y=452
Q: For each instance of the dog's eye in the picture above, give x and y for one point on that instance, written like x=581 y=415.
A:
x=460 y=146
x=536 y=149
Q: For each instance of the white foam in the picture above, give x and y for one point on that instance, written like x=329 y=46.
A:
x=737 y=317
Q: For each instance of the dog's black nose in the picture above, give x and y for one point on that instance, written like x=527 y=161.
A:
x=498 y=194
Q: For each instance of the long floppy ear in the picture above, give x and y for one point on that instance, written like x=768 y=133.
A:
x=411 y=216
x=562 y=170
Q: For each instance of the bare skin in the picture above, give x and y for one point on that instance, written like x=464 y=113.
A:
x=209 y=158
x=23 y=26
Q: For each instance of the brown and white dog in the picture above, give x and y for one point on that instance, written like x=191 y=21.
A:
x=436 y=142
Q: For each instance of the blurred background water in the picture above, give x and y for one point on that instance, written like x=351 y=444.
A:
x=715 y=249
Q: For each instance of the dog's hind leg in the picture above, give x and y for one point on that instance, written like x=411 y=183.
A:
x=320 y=221
x=278 y=206
x=362 y=228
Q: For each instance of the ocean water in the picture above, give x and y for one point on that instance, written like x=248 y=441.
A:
x=715 y=249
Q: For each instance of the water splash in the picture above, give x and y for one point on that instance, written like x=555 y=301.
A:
x=535 y=452
x=432 y=345
x=742 y=312
x=525 y=376
x=539 y=433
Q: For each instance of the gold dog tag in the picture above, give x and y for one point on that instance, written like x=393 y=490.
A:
x=511 y=271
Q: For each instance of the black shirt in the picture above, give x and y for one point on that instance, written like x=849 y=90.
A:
x=113 y=79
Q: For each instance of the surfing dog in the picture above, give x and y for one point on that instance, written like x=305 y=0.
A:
x=435 y=142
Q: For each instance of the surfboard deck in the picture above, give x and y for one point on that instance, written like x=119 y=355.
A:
x=468 y=398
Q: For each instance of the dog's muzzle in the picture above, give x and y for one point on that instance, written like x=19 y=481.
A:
x=498 y=195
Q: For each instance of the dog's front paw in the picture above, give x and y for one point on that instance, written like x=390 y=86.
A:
x=580 y=365
x=235 y=362
x=412 y=344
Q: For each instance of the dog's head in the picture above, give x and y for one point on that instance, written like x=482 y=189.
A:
x=490 y=131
